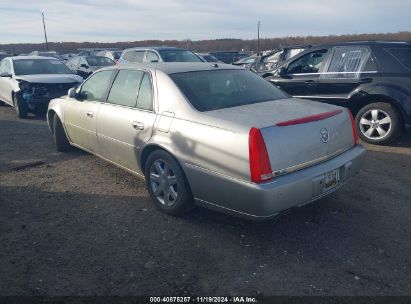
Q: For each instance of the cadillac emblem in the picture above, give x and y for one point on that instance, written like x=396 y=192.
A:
x=324 y=135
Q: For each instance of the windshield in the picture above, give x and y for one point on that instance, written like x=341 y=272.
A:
x=39 y=66
x=219 y=89
x=100 y=61
x=210 y=58
x=179 y=56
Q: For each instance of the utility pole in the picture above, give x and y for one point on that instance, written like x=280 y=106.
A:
x=258 y=37
x=45 y=33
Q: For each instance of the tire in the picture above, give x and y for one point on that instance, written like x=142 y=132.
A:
x=378 y=123
x=20 y=107
x=173 y=197
x=60 y=138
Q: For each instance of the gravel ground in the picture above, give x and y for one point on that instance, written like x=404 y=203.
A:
x=72 y=224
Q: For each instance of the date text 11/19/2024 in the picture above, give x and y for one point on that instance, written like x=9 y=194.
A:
x=239 y=299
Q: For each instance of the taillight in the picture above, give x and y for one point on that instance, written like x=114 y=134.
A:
x=354 y=128
x=260 y=167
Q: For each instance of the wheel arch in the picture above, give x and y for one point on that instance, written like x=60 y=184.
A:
x=148 y=149
x=369 y=99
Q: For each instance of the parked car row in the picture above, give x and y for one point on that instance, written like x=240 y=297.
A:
x=369 y=78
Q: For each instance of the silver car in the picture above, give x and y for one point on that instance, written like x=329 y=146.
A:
x=215 y=135
x=29 y=82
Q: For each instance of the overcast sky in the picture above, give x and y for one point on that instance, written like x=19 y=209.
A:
x=130 y=20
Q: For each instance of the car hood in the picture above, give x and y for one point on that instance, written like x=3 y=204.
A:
x=51 y=78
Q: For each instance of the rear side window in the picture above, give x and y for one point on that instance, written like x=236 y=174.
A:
x=95 y=87
x=125 y=88
x=134 y=56
x=219 y=89
x=402 y=55
x=152 y=57
x=145 y=94
x=349 y=62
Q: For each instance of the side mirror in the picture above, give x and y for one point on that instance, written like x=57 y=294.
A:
x=71 y=93
x=5 y=74
x=83 y=65
x=282 y=71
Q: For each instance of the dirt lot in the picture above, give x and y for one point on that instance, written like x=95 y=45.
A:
x=75 y=225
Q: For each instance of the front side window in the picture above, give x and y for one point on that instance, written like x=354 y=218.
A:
x=349 y=62
x=125 y=88
x=179 y=56
x=308 y=63
x=40 y=66
x=134 y=56
x=96 y=86
x=116 y=55
x=219 y=89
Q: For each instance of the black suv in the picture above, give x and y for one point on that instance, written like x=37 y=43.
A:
x=372 y=79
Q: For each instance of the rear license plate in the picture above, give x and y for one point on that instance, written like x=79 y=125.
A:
x=332 y=179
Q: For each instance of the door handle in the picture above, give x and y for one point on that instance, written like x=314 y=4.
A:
x=310 y=81
x=365 y=80
x=138 y=125
x=90 y=114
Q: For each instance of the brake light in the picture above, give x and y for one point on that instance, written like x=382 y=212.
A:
x=260 y=167
x=354 y=128
x=306 y=119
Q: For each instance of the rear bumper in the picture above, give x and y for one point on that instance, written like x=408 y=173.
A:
x=263 y=201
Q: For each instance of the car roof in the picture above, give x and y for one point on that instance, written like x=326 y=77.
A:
x=178 y=67
x=364 y=42
x=156 y=48
x=31 y=57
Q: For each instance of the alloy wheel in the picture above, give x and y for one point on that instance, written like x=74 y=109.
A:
x=375 y=124
x=163 y=182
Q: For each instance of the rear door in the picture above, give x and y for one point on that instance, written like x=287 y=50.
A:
x=300 y=77
x=80 y=113
x=348 y=68
x=125 y=122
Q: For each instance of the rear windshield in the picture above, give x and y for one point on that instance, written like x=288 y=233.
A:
x=40 y=66
x=403 y=55
x=100 y=61
x=179 y=56
x=219 y=89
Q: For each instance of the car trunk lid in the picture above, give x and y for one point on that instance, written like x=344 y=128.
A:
x=297 y=133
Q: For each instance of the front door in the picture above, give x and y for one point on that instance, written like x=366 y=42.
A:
x=299 y=78
x=126 y=121
x=80 y=113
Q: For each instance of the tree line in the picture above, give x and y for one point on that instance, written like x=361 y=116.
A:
x=207 y=45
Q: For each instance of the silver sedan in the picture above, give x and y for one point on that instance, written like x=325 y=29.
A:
x=214 y=135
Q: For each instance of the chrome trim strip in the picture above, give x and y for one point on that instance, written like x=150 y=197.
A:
x=322 y=97
x=311 y=162
x=327 y=73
